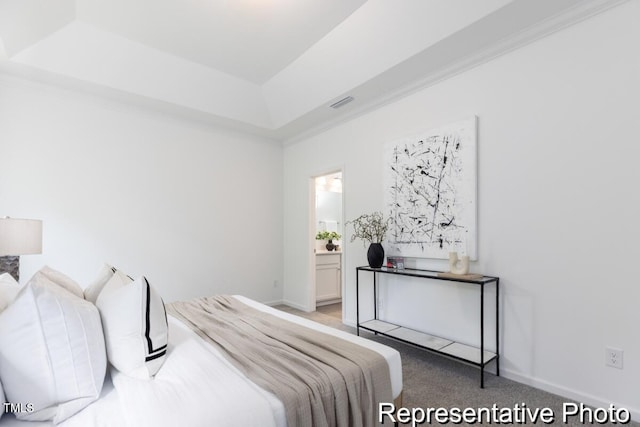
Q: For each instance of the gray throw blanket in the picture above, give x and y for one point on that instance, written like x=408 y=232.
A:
x=322 y=380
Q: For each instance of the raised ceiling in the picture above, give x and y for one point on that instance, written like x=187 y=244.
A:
x=271 y=67
x=249 y=39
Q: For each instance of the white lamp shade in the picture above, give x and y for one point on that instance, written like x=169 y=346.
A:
x=20 y=236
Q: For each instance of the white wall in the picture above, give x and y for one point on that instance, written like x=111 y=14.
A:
x=558 y=203
x=196 y=209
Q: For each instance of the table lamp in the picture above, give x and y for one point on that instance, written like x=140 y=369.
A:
x=18 y=237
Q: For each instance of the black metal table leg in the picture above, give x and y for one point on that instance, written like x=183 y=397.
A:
x=357 y=302
x=498 y=327
x=482 y=336
x=375 y=298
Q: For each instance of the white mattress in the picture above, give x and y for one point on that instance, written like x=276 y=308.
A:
x=198 y=386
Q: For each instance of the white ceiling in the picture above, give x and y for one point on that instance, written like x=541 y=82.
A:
x=249 y=39
x=266 y=66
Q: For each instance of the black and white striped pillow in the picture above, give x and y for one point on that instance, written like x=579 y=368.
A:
x=135 y=325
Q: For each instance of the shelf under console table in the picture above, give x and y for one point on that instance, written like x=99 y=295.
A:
x=470 y=354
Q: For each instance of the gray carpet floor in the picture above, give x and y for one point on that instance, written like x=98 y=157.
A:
x=433 y=381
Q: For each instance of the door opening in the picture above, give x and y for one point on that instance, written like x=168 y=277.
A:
x=328 y=229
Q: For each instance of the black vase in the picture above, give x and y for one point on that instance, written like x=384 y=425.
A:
x=375 y=255
x=330 y=246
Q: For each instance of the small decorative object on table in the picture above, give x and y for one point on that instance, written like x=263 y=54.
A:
x=459 y=268
x=395 y=262
x=456 y=265
x=371 y=228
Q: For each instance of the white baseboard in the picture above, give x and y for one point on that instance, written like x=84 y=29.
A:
x=328 y=302
x=295 y=305
x=272 y=303
x=569 y=393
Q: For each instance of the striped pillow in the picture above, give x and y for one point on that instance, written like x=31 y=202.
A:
x=135 y=325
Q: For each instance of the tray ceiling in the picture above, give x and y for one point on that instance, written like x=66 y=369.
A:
x=271 y=67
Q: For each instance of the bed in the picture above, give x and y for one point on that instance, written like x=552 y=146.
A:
x=198 y=385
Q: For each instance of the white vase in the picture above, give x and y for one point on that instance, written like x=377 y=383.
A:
x=456 y=265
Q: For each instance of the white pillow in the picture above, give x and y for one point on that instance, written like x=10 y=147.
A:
x=52 y=351
x=61 y=279
x=135 y=325
x=92 y=291
x=9 y=288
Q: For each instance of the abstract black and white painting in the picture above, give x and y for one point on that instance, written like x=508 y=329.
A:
x=430 y=192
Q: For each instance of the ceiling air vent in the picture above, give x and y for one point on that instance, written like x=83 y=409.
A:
x=342 y=102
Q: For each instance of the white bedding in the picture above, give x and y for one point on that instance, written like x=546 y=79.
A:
x=198 y=386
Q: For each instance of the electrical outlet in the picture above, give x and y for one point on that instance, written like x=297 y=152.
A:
x=275 y=283
x=613 y=357
x=380 y=304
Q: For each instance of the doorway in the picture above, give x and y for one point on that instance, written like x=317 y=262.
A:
x=328 y=229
